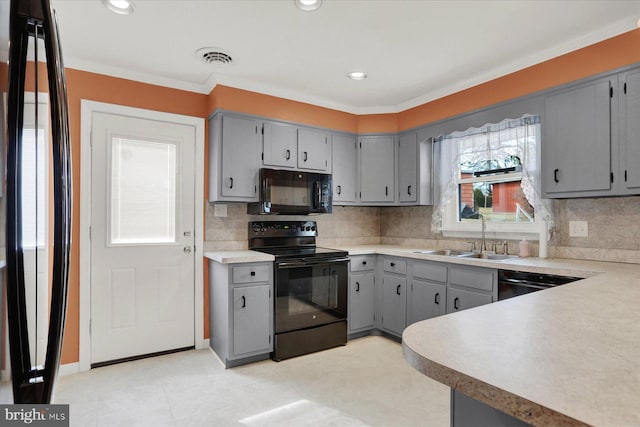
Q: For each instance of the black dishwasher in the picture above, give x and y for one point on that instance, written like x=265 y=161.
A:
x=515 y=283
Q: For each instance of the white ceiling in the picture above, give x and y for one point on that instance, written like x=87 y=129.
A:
x=413 y=51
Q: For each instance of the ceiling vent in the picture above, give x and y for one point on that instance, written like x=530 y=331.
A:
x=214 y=56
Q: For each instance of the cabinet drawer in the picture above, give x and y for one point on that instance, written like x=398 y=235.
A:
x=429 y=271
x=251 y=273
x=477 y=278
x=393 y=265
x=363 y=262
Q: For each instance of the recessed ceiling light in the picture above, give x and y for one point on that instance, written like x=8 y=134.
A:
x=308 y=5
x=123 y=7
x=357 y=75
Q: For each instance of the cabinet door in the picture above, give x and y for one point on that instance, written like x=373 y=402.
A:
x=313 y=150
x=577 y=144
x=361 y=299
x=377 y=171
x=394 y=303
x=631 y=130
x=279 y=145
x=458 y=299
x=407 y=168
x=427 y=300
x=344 y=168
x=240 y=157
x=251 y=319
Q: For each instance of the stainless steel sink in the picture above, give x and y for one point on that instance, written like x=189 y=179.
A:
x=446 y=252
x=493 y=257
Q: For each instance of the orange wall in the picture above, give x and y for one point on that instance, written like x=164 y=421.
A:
x=607 y=55
x=97 y=87
x=603 y=56
x=232 y=99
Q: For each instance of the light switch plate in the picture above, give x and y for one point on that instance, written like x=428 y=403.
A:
x=578 y=229
x=220 y=210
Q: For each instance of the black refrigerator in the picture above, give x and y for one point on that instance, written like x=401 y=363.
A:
x=35 y=48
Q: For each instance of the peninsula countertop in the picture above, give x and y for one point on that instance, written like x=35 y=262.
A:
x=566 y=356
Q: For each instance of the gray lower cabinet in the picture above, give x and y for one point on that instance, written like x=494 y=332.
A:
x=251 y=316
x=394 y=295
x=428 y=299
x=241 y=311
x=362 y=293
x=458 y=299
x=361 y=302
x=389 y=293
x=468 y=412
x=428 y=293
x=470 y=287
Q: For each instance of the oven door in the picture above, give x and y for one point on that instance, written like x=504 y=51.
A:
x=310 y=293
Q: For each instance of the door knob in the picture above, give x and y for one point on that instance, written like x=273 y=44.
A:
x=187 y=249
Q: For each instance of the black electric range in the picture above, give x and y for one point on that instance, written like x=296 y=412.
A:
x=310 y=287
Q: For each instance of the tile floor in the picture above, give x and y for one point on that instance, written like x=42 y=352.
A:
x=366 y=383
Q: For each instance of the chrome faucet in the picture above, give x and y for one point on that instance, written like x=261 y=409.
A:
x=483 y=244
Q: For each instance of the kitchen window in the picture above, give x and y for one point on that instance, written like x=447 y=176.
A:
x=491 y=173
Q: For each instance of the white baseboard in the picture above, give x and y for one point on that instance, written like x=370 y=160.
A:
x=69 y=369
x=206 y=344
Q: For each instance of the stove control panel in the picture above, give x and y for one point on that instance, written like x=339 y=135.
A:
x=282 y=229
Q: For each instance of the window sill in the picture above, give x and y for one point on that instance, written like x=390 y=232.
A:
x=504 y=232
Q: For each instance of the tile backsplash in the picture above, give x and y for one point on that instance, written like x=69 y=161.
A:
x=614 y=228
x=347 y=225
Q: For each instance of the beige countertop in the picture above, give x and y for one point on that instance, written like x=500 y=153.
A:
x=233 y=257
x=566 y=356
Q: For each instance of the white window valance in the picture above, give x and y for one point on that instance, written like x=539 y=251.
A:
x=508 y=139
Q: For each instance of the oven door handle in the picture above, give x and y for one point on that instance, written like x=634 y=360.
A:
x=309 y=263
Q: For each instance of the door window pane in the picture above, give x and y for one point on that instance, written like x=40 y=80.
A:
x=143 y=192
x=33 y=174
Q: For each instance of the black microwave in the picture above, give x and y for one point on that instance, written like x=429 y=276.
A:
x=288 y=192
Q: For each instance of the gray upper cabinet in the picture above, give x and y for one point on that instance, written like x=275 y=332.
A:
x=630 y=131
x=314 y=150
x=289 y=146
x=577 y=148
x=408 y=168
x=279 y=145
x=234 y=159
x=345 y=174
x=377 y=170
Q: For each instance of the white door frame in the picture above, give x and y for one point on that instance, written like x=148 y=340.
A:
x=87 y=110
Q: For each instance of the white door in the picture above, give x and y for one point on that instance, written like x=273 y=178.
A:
x=142 y=236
